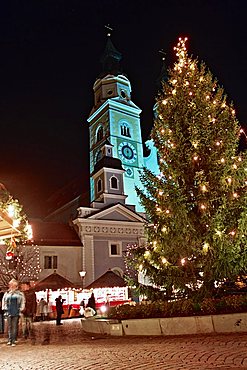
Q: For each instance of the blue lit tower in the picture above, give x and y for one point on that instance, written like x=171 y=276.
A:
x=116 y=118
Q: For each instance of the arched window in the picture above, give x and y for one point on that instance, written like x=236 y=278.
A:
x=125 y=130
x=118 y=271
x=99 y=185
x=114 y=182
x=99 y=134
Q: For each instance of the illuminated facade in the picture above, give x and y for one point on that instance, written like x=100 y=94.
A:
x=116 y=117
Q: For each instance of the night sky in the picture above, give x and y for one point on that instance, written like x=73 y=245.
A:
x=50 y=58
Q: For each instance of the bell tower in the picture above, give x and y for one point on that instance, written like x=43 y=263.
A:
x=116 y=118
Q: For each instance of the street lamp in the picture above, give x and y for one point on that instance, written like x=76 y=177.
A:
x=82 y=275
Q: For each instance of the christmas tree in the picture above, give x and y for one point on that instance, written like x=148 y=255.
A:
x=197 y=206
x=19 y=258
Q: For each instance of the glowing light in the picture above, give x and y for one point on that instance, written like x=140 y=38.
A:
x=11 y=210
x=174 y=92
x=204 y=188
x=164 y=102
x=164 y=260
x=205 y=247
x=164 y=229
x=195 y=158
x=183 y=261
x=167 y=211
x=222 y=160
x=235 y=195
x=202 y=206
x=146 y=254
x=233 y=232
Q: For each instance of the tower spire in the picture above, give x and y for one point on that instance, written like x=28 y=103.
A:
x=111 y=57
x=163 y=76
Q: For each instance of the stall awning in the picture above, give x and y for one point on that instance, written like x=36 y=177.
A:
x=108 y=280
x=53 y=282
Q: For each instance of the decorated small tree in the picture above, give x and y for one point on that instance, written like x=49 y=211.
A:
x=19 y=258
x=197 y=206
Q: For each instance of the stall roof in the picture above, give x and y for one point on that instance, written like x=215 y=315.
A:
x=108 y=280
x=54 y=282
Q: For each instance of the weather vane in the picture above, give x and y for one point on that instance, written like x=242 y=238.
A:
x=163 y=53
x=109 y=30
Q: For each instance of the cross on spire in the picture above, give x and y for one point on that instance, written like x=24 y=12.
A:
x=109 y=30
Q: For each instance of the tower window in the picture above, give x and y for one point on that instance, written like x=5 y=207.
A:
x=114 y=182
x=99 y=185
x=99 y=135
x=125 y=130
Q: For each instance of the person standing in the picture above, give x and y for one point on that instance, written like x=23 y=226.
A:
x=1 y=313
x=91 y=302
x=28 y=315
x=13 y=304
x=59 y=309
x=41 y=309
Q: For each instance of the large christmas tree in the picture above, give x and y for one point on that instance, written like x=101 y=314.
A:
x=197 y=206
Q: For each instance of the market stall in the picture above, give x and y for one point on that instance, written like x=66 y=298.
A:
x=54 y=285
x=109 y=289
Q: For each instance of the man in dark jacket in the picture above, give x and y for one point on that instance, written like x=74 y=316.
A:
x=59 y=309
x=28 y=314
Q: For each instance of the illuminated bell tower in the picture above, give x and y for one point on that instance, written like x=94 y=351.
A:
x=116 y=118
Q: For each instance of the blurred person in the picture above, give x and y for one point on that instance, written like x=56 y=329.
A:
x=1 y=313
x=13 y=304
x=29 y=312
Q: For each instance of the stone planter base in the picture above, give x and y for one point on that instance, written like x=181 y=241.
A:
x=229 y=323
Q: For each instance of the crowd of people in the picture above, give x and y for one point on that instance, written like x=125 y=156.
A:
x=20 y=308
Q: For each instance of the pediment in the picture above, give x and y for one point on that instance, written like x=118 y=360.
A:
x=117 y=212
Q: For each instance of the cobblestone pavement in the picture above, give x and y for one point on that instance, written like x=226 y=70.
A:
x=75 y=350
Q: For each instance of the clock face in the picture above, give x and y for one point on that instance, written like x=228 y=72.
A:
x=127 y=152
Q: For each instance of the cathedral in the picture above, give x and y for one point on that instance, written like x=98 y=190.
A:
x=115 y=218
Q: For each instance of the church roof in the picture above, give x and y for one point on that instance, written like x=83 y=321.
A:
x=54 y=233
x=108 y=280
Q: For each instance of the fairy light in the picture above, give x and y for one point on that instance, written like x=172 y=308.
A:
x=205 y=247
x=235 y=195
x=222 y=160
x=204 y=188
x=183 y=261
x=202 y=206
x=164 y=260
x=164 y=102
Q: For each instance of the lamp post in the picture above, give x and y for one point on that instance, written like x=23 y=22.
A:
x=82 y=275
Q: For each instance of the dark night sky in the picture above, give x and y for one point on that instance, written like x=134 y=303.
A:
x=50 y=51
